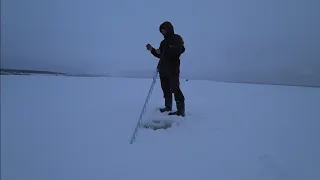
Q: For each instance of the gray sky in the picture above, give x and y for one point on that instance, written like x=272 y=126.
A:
x=222 y=37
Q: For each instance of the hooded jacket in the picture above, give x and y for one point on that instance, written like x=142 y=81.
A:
x=171 y=48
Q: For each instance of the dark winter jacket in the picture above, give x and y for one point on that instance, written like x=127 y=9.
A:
x=171 y=48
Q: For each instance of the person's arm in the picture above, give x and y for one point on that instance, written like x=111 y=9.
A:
x=157 y=52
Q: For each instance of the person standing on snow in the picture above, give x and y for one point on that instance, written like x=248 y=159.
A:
x=169 y=52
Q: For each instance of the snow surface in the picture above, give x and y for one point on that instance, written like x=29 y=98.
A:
x=79 y=128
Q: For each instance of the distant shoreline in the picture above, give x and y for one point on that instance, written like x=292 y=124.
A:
x=38 y=72
x=32 y=72
x=27 y=72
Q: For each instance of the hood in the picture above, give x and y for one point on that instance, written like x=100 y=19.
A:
x=168 y=27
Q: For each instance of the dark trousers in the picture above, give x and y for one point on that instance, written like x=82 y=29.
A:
x=171 y=85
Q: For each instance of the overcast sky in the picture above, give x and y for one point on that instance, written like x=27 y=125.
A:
x=221 y=36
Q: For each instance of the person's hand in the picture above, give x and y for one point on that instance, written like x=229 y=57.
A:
x=149 y=47
x=158 y=51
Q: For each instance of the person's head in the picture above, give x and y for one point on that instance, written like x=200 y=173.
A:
x=166 y=29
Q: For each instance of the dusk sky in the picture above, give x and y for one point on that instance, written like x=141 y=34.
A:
x=222 y=37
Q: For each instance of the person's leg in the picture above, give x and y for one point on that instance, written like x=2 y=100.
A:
x=167 y=94
x=178 y=96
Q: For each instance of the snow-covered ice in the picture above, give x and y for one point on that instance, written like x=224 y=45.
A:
x=79 y=128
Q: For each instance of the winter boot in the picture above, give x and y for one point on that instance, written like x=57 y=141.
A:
x=180 y=109
x=168 y=105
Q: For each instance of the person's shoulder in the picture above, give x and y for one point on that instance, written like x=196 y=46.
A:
x=163 y=41
x=178 y=37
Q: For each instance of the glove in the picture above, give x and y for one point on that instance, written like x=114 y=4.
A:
x=149 y=47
